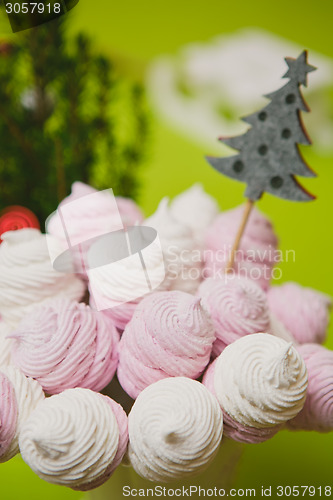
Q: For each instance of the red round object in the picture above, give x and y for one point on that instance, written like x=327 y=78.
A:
x=5 y=48
x=16 y=217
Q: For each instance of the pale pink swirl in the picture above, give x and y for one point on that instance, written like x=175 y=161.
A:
x=122 y=422
x=8 y=415
x=75 y=439
x=118 y=289
x=64 y=344
x=256 y=255
x=96 y=216
x=170 y=334
x=29 y=394
x=175 y=430
x=238 y=307
x=232 y=429
x=5 y=344
x=196 y=209
x=182 y=255
x=303 y=311
x=317 y=413
x=260 y=380
x=27 y=275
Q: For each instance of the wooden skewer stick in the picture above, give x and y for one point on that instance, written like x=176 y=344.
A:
x=248 y=207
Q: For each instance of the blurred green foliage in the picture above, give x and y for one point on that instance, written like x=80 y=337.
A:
x=62 y=108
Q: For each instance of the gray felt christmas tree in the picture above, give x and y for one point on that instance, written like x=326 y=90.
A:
x=268 y=157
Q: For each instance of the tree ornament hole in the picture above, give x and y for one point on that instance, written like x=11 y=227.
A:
x=276 y=182
x=262 y=116
x=238 y=166
x=263 y=149
x=290 y=98
x=286 y=133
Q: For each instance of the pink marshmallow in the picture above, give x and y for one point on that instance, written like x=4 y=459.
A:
x=303 y=311
x=8 y=415
x=64 y=344
x=170 y=334
x=231 y=428
x=317 y=413
x=122 y=421
x=238 y=307
x=256 y=255
x=94 y=217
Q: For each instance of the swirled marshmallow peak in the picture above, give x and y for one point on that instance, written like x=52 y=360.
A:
x=27 y=277
x=125 y=280
x=303 y=311
x=73 y=439
x=170 y=335
x=232 y=429
x=317 y=414
x=181 y=253
x=96 y=215
x=175 y=429
x=256 y=254
x=5 y=344
x=8 y=415
x=64 y=344
x=260 y=380
x=169 y=229
x=86 y=215
x=195 y=208
x=238 y=307
x=29 y=395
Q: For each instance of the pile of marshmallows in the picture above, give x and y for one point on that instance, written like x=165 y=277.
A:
x=257 y=347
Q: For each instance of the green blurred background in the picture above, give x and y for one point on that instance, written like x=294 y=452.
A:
x=137 y=32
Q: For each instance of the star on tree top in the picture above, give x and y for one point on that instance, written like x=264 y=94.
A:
x=299 y=68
